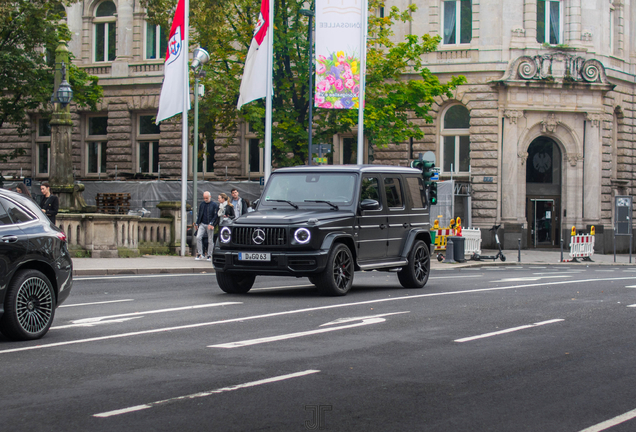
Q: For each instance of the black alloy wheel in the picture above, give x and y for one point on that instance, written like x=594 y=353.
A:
x=337 y=278
x=415 y=273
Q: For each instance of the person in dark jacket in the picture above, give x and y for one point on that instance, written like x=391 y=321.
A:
x=51 y=204
x=206 y=220
x=226 y=210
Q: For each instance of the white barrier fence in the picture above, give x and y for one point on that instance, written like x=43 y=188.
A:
x=582 y=246
x=472 y=242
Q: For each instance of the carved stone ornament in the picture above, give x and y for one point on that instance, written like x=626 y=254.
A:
x=549 y=124
x=593 y=118
x=513 y=115
x=574 y=158
x=557 y=66
x=523 y=156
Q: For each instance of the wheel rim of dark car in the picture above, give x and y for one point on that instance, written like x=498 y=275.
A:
x=342 y=269
x=34 y=305
x=421 y=259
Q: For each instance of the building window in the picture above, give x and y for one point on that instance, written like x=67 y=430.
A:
x=457 y=21
x=43 y=146
x=549 y=22
x=156 y=42
x=96 y=144
x=255 y=156
x=206 y=158
x=455 y=145
x=105 y=32
x=148 y=145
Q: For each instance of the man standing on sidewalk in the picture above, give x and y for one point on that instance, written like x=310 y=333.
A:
x=240 y=206
x=206 y=219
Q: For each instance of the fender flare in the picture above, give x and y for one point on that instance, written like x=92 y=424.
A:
x=412 y=237
x=340 y=237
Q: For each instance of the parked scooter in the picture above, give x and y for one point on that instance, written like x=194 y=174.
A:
x=500 y=255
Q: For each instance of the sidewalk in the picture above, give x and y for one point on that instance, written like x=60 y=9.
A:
x=158 y=264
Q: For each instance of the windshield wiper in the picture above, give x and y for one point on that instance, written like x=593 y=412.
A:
x=335 y=207
x=285 y=201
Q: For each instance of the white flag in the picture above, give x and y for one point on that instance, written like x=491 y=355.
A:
x=171 y=99
x=254 y=82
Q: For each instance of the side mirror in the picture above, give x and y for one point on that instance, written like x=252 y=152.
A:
x=255 y=203
x=370 y=204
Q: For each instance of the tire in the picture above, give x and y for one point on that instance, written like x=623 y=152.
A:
x=476 y=257
x=337 y=277
x=234 y=284
x=502 y=257
x=29 y=306
x=313 y=280
x=440 y=257
x=415 y=273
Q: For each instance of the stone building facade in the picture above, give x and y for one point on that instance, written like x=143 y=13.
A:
x=540 y=137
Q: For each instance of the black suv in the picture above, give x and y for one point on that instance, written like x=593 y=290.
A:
x=35 y=268
x=325 y=223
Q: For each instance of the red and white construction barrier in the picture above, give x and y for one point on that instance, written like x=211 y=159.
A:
x=582 y=246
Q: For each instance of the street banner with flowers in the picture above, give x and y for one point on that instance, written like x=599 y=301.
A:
x=338 y=51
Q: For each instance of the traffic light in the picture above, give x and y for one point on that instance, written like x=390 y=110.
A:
x=427 y=172
x=432 y=193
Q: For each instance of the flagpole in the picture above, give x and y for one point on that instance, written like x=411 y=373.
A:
x=184 y=128
x=268 y=100
x=363 y=71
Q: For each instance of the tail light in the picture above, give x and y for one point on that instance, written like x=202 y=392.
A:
x=61 y=236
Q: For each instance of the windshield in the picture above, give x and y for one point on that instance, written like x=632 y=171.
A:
x=298 y=187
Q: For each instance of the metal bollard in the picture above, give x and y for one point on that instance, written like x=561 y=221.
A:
x=561 y=250
x=519 y=243
x=450 y=252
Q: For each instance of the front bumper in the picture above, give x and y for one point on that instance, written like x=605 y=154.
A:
x=303 y=263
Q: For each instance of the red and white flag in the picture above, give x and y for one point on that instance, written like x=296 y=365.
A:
x=254 y=82
x=171 y=100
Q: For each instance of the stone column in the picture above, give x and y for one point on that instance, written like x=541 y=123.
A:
x=124 y=39
x=593 y=159
x=530 y=19
x=512 y=164
x=172 y=210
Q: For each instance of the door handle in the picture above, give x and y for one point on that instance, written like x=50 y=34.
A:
x=9 y=239
x=382 y=226
x=405 y=225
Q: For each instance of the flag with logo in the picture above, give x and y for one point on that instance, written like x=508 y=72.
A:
x=171 y=99
x=254 y=82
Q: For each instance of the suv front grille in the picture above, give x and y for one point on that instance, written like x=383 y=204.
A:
x=273 y=236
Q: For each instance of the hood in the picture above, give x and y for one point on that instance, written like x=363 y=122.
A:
x=291 y=216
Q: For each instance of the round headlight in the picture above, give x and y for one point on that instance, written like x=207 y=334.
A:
x=302 y=235
x=225 y=235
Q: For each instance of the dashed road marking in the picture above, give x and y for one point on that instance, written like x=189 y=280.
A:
x=510 y=330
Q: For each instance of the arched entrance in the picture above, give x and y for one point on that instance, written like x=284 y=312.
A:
x=543 y=193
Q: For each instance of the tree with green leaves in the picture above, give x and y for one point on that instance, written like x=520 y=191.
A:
x=30 y=30
x=399 y=89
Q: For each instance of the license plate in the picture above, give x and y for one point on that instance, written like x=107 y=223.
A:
x=254 y=256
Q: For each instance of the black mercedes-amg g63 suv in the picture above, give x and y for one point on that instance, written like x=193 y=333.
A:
x=326 y=222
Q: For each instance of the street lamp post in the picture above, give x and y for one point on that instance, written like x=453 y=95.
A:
x=61 y=163
x=200 y=57
x=310 y=14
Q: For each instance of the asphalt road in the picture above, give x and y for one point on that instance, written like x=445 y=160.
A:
x=480 y=349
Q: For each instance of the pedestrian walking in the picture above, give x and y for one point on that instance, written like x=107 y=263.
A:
x=206 y=221
x=240 y=205
x=51 y=203
x=21 y=188
x=226 y=210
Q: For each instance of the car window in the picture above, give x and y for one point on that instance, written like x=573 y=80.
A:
x=11 y=213
x=370 y=189
x=393 y=190
x=4 y=216
x=416 y=191
x=298 y=187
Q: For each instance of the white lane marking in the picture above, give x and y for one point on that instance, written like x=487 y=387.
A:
x=299 y=311
x=162 y=275
x=96 y=303
x=205 y=393
x=351 y=319
x=611 y=422
x=631 y=286
x=532 y=278
x=454 y=277
x=96 y=320
x=561 y=272
x=634 y=305
x=114 y=321
x=510 y=330
x=365 y=321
